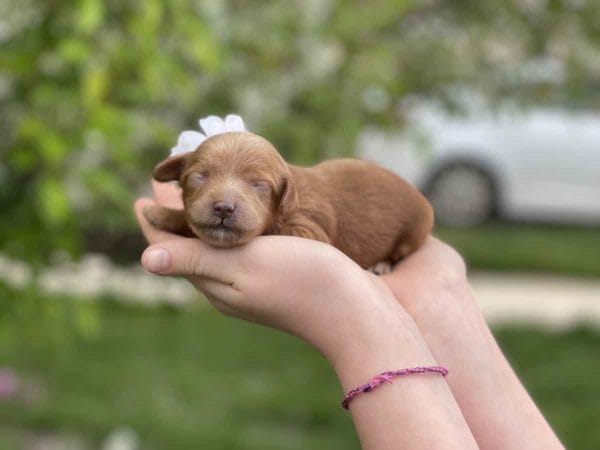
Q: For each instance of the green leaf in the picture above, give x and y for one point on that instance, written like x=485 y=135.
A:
x=89 y=15
x=199 y=44
x=73 y=50
x=51 y=144
x=94 y=83
x=53 y=201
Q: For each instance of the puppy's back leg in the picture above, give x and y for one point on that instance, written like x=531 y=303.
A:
x=414 y=236
x=172 y=220
x=381 y=268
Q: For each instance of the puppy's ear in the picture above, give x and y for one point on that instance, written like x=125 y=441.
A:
x=170 y=169
x=288 y=201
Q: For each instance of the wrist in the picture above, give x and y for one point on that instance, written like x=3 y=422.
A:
x=439 y=291
x=393 y=342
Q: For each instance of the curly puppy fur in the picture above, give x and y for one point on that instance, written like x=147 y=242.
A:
x=236 y=186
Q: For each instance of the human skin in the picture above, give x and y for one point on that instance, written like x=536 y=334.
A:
x=432 y=287
x=313 y=291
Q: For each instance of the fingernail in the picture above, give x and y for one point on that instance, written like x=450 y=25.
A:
x=156 y=260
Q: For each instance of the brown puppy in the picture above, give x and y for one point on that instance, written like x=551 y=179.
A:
x=236 y=186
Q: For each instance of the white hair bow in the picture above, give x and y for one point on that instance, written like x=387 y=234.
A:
x=190 y=140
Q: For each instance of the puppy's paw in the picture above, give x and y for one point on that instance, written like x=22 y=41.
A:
x=156 y=215
x=167 y=219
x=381 y=268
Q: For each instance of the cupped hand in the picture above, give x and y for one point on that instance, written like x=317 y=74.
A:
x=301 y=286
x=435 y=267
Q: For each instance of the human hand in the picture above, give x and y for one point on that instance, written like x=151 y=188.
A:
x=312 y=290
x=301 y=286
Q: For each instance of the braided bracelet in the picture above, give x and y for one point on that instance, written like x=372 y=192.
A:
x=387 y=376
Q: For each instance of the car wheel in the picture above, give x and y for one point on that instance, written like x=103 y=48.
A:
x=462 y=195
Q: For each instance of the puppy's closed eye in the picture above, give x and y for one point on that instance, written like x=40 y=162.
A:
x=196 y=179
x=260 y=185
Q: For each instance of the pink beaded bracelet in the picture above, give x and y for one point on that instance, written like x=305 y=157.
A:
x=387 y=376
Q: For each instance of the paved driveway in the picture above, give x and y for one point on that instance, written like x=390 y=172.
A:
x=546 y=299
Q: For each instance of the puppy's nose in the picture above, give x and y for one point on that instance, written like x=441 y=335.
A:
x=223 y=209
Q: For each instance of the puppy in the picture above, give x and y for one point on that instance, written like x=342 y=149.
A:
x=236 y=186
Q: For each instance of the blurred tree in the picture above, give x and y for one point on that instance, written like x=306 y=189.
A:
x=93 y=93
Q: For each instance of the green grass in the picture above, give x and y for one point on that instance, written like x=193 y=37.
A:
x=181 y=379
x=195 y=379
x=561 y=370
x=523 y=247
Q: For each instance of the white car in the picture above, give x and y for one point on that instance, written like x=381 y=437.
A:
x=535 y=165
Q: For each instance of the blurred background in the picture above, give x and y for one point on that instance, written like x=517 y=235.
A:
x=492 y=108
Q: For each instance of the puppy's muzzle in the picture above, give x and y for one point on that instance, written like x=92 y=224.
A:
x=223 y=209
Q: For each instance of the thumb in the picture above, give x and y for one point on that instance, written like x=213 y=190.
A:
x=189 y=256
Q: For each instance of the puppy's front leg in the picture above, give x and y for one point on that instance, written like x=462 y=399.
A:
x=301 y=227
x=172 y=220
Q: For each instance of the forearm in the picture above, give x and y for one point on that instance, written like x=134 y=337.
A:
x=415 y=411
x=498 y=409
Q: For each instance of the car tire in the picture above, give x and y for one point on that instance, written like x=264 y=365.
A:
x=462 y=194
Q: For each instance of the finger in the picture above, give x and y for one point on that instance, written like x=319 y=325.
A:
x=230 y=301
x=190 y=256
x=213 y=290
x=153 y=235
x=222 y=296
x=167 y=194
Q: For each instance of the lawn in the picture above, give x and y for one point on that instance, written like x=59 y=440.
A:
x=194 y=379
x=528 y=247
